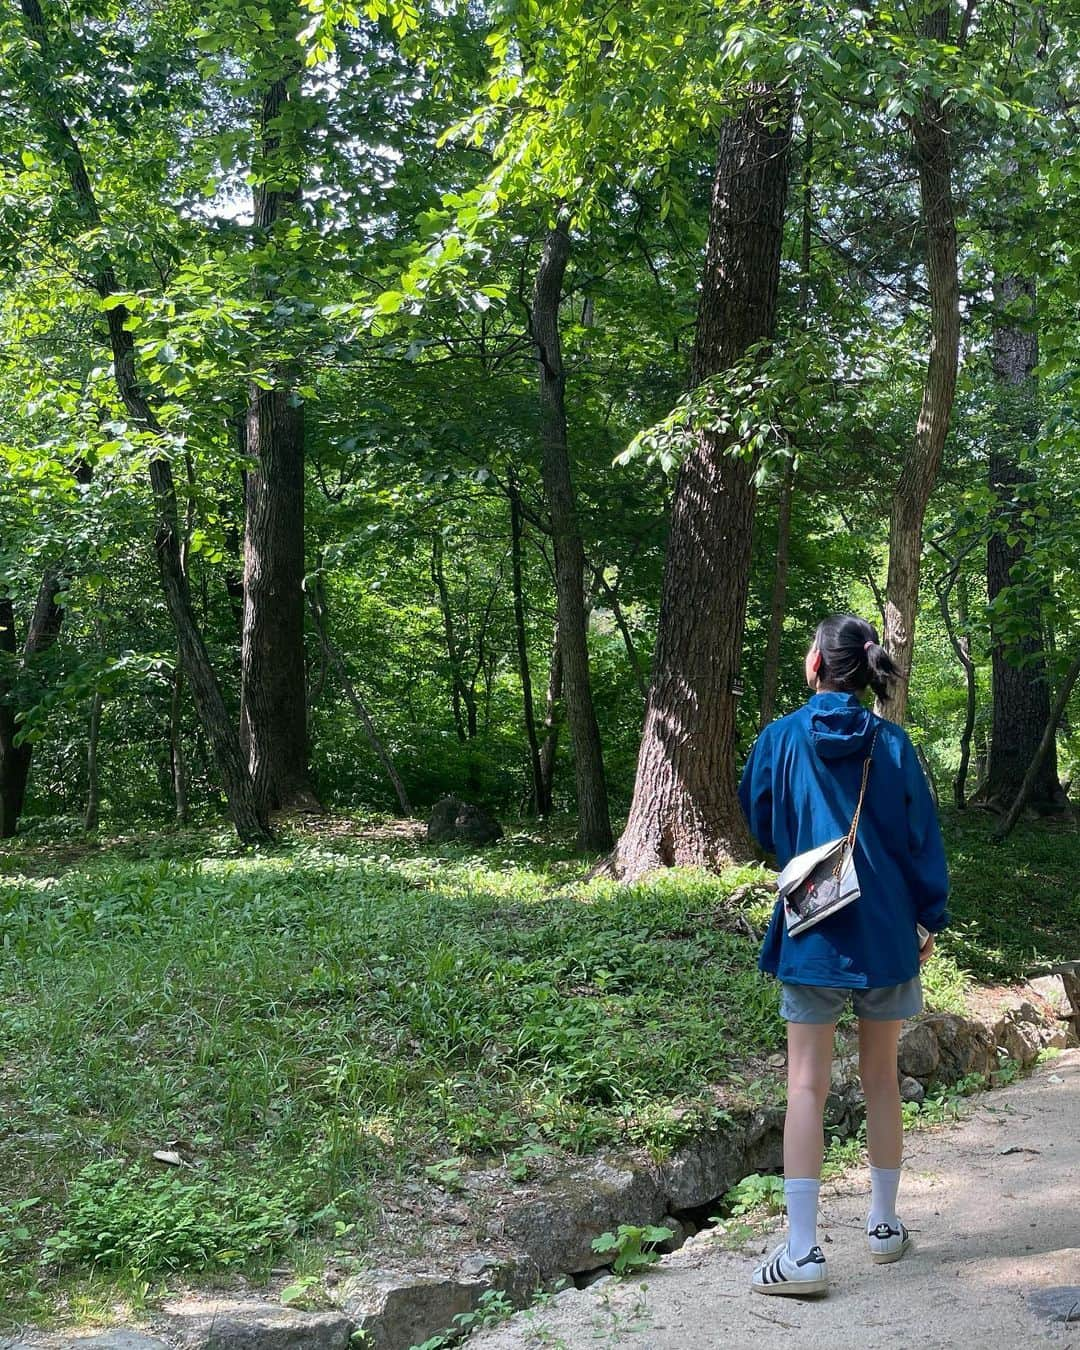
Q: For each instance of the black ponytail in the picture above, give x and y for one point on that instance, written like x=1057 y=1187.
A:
x=852 y=657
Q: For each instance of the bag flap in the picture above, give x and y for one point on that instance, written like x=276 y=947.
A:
x=800 y=867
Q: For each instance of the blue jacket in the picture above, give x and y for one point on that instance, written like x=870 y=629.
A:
x=799 y=790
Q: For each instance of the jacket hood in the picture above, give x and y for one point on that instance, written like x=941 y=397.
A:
x=839 y=725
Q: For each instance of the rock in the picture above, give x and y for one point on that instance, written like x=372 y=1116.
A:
x=965 y=1046
x=249 y=1324
x=918 y=1054
x=1051 y=988
x=702 y=1169
x=556 y=1228
x=1019 y=1038
x=764 y=1149
x=911 y=1090
x=474 y=1266
x=401 y=1310
x=452 y=818
x=1057 y=1304
x=118 y=1339
x=678 y=1236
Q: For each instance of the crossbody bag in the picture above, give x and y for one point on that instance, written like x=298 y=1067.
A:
x=823 y=880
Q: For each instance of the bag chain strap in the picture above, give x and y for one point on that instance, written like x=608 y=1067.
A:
x=858 y=807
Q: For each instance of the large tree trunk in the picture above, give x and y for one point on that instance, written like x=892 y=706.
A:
x=1021 y=690
x=770 y=679
x=1042 y=752
x=273 y=705
x=931 y=133
x=685 y=808
x=249 y=819
x=594 y=822
x=43 y=631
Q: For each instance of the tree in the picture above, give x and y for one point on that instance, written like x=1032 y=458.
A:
x=43 y=98
x=273 y=719
x=594 y=825
x=931 y=133
x=1021 y=687
x=685 y=809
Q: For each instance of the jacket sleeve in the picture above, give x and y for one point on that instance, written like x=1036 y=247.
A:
x=929 y=870
x=756 y=792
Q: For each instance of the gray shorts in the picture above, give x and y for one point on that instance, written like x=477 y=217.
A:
x=818 y=1003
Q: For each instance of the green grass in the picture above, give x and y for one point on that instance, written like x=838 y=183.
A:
x=306 y=1024
x=1015 y=905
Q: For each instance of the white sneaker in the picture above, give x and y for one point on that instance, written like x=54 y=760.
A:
x=887 y=1243
x=779 y=1273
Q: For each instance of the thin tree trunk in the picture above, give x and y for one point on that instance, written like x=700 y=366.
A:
x=685 y=809
x=1035 y=768
x=177 y=759
x=273 y=704
x=93 y=785
x=246 y=813
x=15 y=759
x=521 y=636
x=550 y=743
x=932 y=136
x=1021 y=689
x=9 y=816
x=594 y=822
x=640 y=678
x=454 y=655
x=770 y=680
x=961 y=645
x=333 y=656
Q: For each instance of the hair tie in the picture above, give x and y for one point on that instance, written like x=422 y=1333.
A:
x=867 y=645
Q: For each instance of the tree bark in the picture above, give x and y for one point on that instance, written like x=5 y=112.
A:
x=685 y=809
x=521 y=635
x=594 y=822
x=932 y=136
x=770 y=679
x=249 y=819
x=1046 y=743
x=1020 y=686
x=273 y=704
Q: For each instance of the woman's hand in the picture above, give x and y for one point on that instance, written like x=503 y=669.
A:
x=925 y=950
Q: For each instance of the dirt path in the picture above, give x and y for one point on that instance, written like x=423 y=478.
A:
x=990 y=1223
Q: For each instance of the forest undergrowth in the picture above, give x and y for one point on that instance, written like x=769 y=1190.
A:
x=296 y=1027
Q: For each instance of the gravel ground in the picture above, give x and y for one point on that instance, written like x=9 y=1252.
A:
x=993 y=1203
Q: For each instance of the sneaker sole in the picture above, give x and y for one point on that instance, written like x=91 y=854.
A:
x=886 y=1258
x=794 y=1288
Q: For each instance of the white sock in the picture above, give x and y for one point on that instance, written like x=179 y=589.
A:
x=885 y=1182
x=801 y=1198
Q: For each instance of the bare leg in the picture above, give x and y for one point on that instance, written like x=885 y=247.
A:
x=810 y=1049
x=881 y=1087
